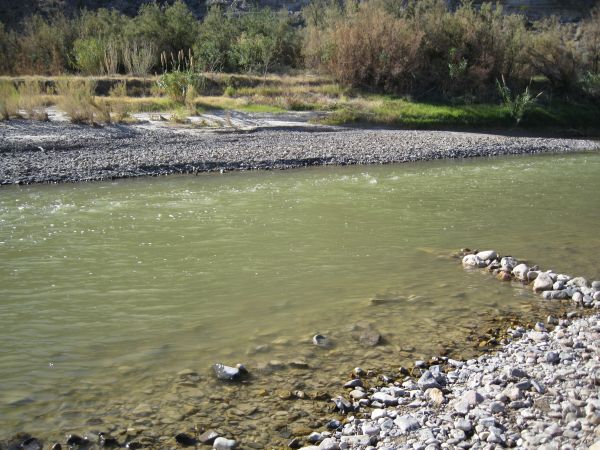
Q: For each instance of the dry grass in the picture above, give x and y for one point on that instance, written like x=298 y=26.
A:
x=9 y=100
x=31 y=100
x=78 y=101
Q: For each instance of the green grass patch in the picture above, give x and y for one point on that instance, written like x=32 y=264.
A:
x=387 y=111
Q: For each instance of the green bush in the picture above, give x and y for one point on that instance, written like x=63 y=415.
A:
x=176 y=84
x=258 y=41
x=43 y=46
x=517 y=104
x=88 y=56
x=590 y=84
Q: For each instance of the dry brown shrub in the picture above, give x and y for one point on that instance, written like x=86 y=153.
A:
x=372 y=48
x=77 y=100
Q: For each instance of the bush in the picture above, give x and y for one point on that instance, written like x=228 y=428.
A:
x=258 y=41
x=89 y=56
x=166 y=29
x=31 y=100
x=77 y=100
x=44 y=45
x=590 y=84
x=176 y=84
x=9 y=100
x=8 y=51
x=368 y=47
x=590 y=41
x=552 y=53
x=517 y=104
x=138 y=57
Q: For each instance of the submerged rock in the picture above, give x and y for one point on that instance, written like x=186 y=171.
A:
x=208 y=437
x=31 y=444
x=320 y=340
x=185 y=439
x=75 y=440
x=367 y=336
x=228 y=373
x=222 y=443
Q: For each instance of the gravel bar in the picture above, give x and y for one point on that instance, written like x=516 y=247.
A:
x=49 y=152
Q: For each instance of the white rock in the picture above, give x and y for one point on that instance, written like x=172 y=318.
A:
x=520 y=272
x=472 y=261
x=329 y=444
x=378 y=413
x=222 y=443
x=543 y=282
x=487 y=254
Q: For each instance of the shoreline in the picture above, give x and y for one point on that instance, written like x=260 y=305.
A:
x=539 y=391
x=52 y=152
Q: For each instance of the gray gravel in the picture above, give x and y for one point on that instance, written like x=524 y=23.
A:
x=36 y=152
x=538 y=392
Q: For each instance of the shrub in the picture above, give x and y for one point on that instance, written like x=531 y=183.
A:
x=8 y=50
x=44 y=45
x=138 y=57
x=229 y=91
x=590 y=84
x=77 y=100
x=517 y=104
x=176 y=84
x=31 y=100
x=590 y=41
x=9 y=100
x=552 y=53
x=118 y=90
x=370 y=48
x=89 y=56
x=165 y=28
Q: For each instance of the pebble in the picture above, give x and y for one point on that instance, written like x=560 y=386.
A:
x=516 y=397
x=222 y=443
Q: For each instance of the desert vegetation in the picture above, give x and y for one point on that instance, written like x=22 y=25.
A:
x=414 y=63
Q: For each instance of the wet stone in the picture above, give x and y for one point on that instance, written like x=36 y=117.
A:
x=32 y=444
x=228 y=373
x=185 y=440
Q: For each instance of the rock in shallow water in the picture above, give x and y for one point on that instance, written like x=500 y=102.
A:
x=222 y=443
x=520 y=272
x=228 y=373
x=543 y=282
x=185 y=440
x=508 y=263
x=320 y=340
x=473 y=261
x=487 y=254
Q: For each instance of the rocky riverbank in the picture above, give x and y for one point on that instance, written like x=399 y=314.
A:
x=38 y=152
x=537 y=392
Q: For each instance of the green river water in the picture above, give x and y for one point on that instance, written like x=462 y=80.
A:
x=109 y=290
